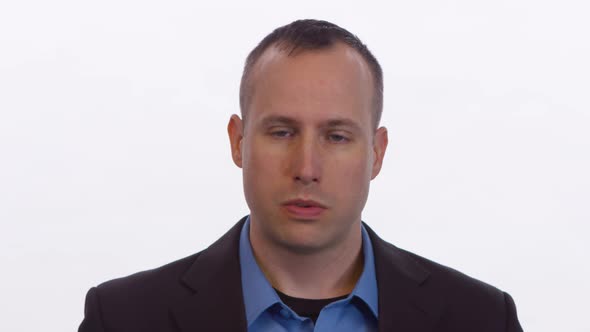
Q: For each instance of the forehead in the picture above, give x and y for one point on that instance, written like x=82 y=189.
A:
x=334 y=82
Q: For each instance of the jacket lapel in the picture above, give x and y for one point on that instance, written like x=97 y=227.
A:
x=405 y=304
x=215 y=277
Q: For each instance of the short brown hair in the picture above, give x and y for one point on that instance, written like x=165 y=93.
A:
x=305 y=35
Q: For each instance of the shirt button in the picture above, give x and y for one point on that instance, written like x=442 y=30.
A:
x=284 y=312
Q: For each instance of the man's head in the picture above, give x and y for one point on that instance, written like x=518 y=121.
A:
x=308 y=144
x=310 y=35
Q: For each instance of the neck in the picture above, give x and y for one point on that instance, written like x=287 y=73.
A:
x=326 y=273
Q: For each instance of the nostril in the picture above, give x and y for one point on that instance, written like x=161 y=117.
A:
x=306 y=180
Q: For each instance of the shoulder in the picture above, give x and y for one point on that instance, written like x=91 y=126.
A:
x=454 y=285
x=467 y=301
x=145 y=292
x=404 y=265
x=142 y=301
x=163 y=281
x=173 y=279
x=138 y=302
x=452 y=298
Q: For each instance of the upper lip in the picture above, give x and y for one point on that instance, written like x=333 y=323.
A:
x=304 y=202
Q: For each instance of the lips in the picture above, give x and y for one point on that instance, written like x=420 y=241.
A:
x=304 y=209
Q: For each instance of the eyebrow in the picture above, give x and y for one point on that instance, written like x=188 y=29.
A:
x=343 y=122
x=278 y=120
x=285 y=120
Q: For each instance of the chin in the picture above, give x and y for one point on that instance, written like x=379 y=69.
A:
x=305 y=241
x=303 y=247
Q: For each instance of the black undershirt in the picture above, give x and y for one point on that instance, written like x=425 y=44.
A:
x=307 y=307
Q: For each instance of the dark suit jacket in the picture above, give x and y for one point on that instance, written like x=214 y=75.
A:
x=203 y=292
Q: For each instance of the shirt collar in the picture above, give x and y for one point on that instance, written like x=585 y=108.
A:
x=259 y=294
x=366 y=286
x=257 y=291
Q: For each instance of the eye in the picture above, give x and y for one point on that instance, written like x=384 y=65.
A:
x=281 y=133
x=338 y=138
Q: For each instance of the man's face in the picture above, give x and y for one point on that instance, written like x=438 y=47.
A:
x=307 y=146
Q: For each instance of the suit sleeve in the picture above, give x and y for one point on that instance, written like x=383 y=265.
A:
x=92 y=313
x=512 y=324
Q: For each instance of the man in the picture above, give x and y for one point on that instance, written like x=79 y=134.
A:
x=309 y=143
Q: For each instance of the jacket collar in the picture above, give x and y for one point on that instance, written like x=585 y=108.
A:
x=216 y=303
x=405 y=304
x=215 y=279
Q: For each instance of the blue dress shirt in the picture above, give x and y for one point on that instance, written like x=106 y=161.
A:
x=266 y=312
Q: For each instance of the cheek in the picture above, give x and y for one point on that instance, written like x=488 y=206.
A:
x=261 y=168
x=344 y=175
x=353 y=167
x=264 y=158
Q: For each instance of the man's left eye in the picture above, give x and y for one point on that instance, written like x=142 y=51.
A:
x=337 y=138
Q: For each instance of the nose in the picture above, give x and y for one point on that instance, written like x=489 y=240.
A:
x=306 y=161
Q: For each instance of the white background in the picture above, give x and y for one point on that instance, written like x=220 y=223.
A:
x=114 y=156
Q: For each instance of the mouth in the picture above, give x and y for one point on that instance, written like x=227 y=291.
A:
x=304 y=209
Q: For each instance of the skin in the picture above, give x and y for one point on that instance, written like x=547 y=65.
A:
x=308 y=134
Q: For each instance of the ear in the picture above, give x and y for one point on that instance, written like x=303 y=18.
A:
x=379 y=146
x=235 y=130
